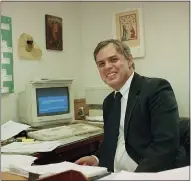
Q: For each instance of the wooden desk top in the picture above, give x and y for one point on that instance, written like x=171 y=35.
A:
x=68 y=152
x=10 y=176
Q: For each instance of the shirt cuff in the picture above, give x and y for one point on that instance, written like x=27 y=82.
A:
x=96 y=158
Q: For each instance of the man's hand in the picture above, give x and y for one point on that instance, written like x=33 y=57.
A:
x=87 y=160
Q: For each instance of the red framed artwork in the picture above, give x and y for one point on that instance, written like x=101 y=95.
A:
x=53 y=27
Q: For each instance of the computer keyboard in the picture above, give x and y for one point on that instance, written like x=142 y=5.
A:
x=61 y=132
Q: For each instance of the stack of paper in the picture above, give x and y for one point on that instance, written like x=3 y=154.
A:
x=11 y=128
x=30 y=147
x=174 y=174
x=50 y=169
x=21 y=160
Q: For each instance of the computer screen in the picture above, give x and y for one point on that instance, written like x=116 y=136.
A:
x=43 y=103
x=52 y=101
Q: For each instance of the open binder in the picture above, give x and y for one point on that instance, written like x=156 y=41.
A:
x=34 y=172
x=70 y=175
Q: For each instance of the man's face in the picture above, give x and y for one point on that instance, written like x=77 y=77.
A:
x=113 y=67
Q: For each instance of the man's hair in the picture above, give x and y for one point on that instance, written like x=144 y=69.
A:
x=121 y=48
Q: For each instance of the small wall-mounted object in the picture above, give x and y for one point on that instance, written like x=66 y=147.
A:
x=80 y=109
x=27 y=48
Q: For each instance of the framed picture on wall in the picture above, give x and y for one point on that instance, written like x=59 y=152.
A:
x=53 y=27
x=128 y=27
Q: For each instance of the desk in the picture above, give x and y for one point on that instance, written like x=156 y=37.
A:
x=72 y=151
x=9 y=176
x=72 y=148
x=69 y=152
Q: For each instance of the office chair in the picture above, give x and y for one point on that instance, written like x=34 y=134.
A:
x=184 y=160
x=185 y=134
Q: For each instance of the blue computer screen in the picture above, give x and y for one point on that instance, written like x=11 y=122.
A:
x=52 y=101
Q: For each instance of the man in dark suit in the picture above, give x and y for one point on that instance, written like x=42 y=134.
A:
x=147 y=130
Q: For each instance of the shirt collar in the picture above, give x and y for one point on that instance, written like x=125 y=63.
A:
x=125 y=88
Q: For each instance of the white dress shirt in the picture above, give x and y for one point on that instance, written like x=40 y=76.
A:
x=122 y=160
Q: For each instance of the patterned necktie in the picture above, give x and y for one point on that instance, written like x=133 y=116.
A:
x=111 y=132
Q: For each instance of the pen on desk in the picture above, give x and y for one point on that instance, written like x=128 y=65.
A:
x=25 y=140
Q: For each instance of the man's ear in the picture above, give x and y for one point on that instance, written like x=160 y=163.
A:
x=130 y=61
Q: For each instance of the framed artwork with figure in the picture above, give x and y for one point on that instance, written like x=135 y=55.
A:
x=128 y=27
x=53 y=27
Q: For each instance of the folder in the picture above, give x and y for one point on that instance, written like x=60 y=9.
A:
x=70 y=175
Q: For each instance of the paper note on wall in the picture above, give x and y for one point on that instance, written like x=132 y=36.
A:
x=5 y=26
x=7 y=84
x=5 y=60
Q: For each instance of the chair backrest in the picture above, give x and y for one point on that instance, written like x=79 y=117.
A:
x=185 y=134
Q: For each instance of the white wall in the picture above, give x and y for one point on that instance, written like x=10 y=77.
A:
x=29 y=17
x=166 y=26
x=166 y=29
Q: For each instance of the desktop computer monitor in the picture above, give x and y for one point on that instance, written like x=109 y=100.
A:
x=46 y=102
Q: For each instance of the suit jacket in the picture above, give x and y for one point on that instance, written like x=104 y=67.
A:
x=151 y=128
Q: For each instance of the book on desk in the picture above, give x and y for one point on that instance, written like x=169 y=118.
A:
x=70 y=175
x=43 y=171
